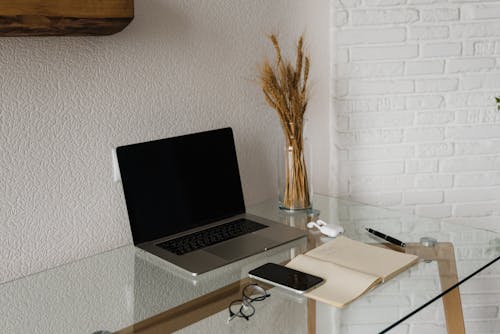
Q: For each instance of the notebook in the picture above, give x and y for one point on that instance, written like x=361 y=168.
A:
x=185 y=202
x=350 y=268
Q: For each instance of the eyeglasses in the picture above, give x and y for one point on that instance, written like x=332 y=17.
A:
x=243 y=307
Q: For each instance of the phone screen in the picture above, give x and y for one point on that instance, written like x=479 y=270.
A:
x=287 y=277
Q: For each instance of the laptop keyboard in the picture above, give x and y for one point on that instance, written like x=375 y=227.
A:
x=211 y=236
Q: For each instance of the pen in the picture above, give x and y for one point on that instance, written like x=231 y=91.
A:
x=386 y=237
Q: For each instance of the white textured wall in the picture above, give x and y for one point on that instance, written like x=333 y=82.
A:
x=416 y=120
x=181 y=66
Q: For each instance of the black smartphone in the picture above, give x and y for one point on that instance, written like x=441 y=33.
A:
x=287 y=278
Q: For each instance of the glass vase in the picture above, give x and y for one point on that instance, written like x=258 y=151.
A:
x=294 y=187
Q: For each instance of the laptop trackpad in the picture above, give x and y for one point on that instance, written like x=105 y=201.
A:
x=241 y=247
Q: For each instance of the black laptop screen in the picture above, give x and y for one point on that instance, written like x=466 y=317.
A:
x=175 y=184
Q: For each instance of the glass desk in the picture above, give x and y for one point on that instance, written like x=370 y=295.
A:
x=129 y=291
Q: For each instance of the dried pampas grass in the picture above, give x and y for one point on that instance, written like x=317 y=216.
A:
x=285 y=90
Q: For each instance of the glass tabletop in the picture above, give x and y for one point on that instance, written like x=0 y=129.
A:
x=127 y=290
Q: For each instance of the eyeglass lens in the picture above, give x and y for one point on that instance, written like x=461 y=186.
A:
x=240 y=308
x=243 y=308
x=254 y=292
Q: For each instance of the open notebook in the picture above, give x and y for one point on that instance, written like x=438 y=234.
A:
x=349 y=268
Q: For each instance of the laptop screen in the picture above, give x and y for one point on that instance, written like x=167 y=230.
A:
x=175 y=184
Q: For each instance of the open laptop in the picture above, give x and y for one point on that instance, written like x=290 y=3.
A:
x=185 y=202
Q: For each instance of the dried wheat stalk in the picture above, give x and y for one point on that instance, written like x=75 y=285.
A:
x=285 y=90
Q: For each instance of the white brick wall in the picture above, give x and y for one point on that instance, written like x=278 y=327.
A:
x=416 y=81
x=417 y=123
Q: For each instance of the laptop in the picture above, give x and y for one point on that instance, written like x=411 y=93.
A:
x=185 y=202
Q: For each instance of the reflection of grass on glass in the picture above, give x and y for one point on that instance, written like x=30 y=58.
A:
x=285 y=90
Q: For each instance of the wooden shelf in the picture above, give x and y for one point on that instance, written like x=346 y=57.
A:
x=64 y=17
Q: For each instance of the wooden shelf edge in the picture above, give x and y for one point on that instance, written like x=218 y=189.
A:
x=60 y=26
x=80 y=22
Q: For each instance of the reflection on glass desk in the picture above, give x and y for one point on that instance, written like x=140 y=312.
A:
x=129 y=291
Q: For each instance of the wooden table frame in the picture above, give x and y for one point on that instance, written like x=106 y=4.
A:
x=444 y=254
x=218 y=300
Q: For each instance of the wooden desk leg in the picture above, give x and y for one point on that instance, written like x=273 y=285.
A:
x=444 y=254
x=311 y=316
x=453 y=312
x=452 y=303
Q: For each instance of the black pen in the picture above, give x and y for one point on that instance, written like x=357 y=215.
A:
x=386 y=237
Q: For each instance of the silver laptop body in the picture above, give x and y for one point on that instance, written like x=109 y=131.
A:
x=179 y=186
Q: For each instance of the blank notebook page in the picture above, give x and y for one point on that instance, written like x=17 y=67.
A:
x=377 y=261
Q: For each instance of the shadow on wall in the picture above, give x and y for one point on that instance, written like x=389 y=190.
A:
x=157 y=21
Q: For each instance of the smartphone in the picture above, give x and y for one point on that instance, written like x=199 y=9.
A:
x=286 y=278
